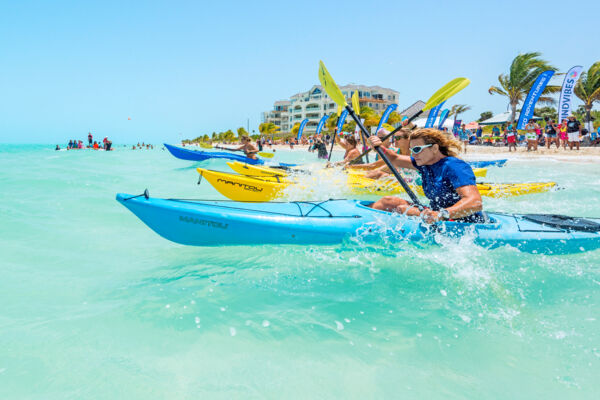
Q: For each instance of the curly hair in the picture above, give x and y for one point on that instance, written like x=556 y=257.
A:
x=445 y=142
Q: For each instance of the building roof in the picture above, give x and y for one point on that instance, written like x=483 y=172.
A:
x=415 y=108
x=502 y=119
x=350 y=86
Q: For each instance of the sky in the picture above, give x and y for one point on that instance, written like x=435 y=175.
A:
x=181 y=69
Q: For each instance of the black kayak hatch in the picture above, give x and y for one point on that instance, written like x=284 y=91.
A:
x=564 y=222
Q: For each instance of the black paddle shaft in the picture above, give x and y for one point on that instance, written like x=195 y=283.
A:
x=379 y=151
x=332 y=143
x=389 y=135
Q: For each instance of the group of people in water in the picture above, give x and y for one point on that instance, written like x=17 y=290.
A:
x=142 y=146
x=92 y=144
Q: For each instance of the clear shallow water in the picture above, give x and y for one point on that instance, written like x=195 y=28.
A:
x=96 y=305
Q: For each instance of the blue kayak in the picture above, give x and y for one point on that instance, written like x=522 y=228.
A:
x=215 y=223
x=197 y=155
x=489 y=163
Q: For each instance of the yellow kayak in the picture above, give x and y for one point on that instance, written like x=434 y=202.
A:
x=389 y=186
x=245 y=188
x=267 y=188
x=255 y=170
x=260 y=170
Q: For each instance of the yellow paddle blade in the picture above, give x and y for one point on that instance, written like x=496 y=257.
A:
x=267 y=155
x=446 y=91
x=339 y=111
x=330 y=86
x=355 y=103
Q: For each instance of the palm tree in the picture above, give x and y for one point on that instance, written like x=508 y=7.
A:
x=587 y=89
x=268 y=128
x=458 y=109
x=524 y=70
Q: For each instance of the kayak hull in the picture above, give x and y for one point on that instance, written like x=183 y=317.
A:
x=197 y=155
x=217 y=223
x=268 y=188
x=258 y=170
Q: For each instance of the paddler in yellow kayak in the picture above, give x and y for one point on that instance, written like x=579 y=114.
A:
x=448 y=182
x=378 y=169
x=350 y=146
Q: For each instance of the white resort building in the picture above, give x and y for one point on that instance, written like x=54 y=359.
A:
x=315 y=103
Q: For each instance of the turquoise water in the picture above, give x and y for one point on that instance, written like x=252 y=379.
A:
x=97 y=306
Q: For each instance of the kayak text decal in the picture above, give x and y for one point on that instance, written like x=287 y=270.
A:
x=205 y=222
x=242 y=185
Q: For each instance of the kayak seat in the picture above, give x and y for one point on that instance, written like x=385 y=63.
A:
x=564 y=222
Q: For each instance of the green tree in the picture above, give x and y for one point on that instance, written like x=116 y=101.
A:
x=349 y=126
x=394 y=118
x=242 y=132
x=214 y=135
x=524 y=70
x=544 y=112
x=458 y=109
x=587 y=88
x=485 y=115
x=228 y=135
x=331 y=122
x=268 y=128
x=370 y=116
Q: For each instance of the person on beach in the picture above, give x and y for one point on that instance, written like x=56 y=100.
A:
x=562 y=132
x=531 y=135
x=463 y=135
x=321 y=147
x=57 y=147
x=248 y=148
x=90 y=137
x=511 y=138
x=551 y=134
x=595 y=137
x=495 y=131
x=573 y=131
x=448 y=182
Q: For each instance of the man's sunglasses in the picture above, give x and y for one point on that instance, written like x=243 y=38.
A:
x=418 y=149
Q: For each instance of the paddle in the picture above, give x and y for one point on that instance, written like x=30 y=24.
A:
x=262 y=154
x=336 y=95
x=443 y=94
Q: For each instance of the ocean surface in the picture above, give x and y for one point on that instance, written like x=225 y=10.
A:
x=95 y=305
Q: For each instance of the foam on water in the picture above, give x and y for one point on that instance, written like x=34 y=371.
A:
x=96 y=305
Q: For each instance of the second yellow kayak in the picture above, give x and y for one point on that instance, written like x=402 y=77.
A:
x=265 y=188
x=260 y=170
